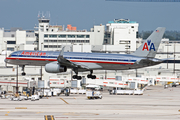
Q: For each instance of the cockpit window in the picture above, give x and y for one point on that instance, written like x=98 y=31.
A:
x=9 y=55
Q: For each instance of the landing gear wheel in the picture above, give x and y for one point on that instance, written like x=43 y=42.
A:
x=76 y=77
x=93 y=77
x=79 y=77
x=23 y=73
x=89 y=76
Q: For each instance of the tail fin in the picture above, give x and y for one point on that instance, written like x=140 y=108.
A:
x=151 y=44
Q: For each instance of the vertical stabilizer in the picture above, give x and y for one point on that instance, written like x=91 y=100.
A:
x=151 y=44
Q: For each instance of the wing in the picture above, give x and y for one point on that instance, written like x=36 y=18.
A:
x=81 y=66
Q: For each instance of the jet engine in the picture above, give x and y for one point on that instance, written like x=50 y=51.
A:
x=55 y=68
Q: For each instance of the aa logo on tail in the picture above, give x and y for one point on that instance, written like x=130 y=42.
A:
x=148 y=46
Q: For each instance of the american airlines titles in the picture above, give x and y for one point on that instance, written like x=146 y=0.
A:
x=34 y=53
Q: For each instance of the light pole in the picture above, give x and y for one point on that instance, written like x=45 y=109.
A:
x=6 y=52
x=41 y=65
x=17 y=73
x=174 y=58
x=167 y=52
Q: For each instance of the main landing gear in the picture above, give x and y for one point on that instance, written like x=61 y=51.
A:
x=79 y=77
x=23 y=73
x=91 y=76
x=76 y=76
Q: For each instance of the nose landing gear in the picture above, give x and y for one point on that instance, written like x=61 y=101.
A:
x=23 y=73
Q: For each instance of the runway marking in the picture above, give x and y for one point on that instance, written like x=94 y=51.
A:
x=20 y=107
x=64 y=101
x=49 y=117
x=46 y=117
x=71 y=113
x=7 y=114
x=39 y=112
x=52 y=118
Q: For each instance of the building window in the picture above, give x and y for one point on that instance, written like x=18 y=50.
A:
x=45 y=40
x=43 y=21
x=45 y=35
x=52 y=46
x=60 y=41
x=71 y=36
x=11 y=42
x=52 y=40
x=72 y=41
x=53 y=36
x=87 y=36
x=87 y=41
x=45 y=46
x=59 y=46
x=12 y=35
x=105 y=41
x=80 y=36
x=132 y=26
x=62 y=36
x=10 y=48
x=69 y=41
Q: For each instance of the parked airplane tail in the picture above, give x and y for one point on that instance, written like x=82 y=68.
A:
x=151 y=44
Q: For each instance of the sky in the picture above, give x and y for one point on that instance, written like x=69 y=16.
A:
x=85 y=13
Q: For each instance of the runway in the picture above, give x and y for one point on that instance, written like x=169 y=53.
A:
x=156 y=103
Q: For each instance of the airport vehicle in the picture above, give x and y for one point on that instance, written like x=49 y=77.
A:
x=95 y=87
x=56 y=62
x=93 y=94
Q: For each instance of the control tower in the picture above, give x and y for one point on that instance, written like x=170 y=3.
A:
x=43 y=24
x=42 y=27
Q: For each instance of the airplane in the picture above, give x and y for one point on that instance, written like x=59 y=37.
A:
x=56 y=62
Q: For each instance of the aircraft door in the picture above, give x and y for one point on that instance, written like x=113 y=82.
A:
x=17 y=56
x=129 y=61
x=47 y=57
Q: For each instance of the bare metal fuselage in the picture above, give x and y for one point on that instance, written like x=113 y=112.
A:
x=95 y=61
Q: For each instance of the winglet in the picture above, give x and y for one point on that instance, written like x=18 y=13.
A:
x=151 y=44
x=62 y=51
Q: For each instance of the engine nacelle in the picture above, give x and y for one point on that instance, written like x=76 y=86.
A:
x=55 y=68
